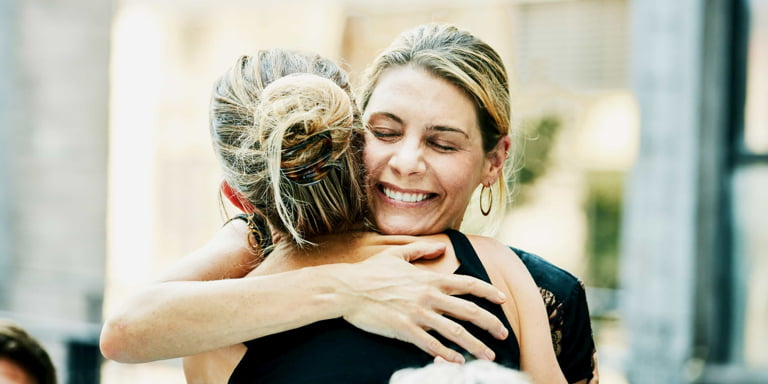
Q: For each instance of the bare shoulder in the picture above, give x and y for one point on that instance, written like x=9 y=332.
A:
x=505 y=268
x=495 y=254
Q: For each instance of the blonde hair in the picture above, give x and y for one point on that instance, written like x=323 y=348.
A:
x=465 y=61
x=289 y=138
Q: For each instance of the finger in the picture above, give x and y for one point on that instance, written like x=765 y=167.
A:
x=459 y=335
x=418 y=250
x=429 y=344
x=467 y=285
x=468 y=311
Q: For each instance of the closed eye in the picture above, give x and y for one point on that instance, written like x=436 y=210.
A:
x=442 y=146
x=383 y=133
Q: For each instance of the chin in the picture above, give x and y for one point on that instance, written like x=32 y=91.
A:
x=405 y=227
x=386 y=229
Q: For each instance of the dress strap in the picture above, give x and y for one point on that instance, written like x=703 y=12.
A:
x=467 y=256
x=508 y=351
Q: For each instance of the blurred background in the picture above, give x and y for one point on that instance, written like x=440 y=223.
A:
x=643 y=126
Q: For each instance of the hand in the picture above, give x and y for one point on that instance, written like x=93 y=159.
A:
x=390 y=297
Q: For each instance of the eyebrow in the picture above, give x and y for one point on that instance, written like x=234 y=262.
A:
x=388 y=115
x=442 y=128
x=438 y=128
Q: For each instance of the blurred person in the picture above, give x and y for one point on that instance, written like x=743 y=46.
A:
x=421 y=298
x=23 y=360
x=473 y=372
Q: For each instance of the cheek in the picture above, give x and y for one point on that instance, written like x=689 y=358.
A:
x=371 y=170
x=460 y=180
x=459 y=171
x=462 y=192
x=368 y=161
x=372 y=155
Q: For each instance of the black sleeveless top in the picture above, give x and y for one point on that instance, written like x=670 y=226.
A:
x=334 y=351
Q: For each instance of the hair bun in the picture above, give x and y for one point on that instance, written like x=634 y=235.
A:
x=308 y=119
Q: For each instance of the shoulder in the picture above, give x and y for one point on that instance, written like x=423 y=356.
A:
x=566 y=302
x=561 y=283
x=495 y=255
x=505 y=269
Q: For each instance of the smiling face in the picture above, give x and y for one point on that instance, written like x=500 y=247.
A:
x=424 y=153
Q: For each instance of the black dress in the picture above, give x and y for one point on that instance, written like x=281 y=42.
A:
x=334 y=351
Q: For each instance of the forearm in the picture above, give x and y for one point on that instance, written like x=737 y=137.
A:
x=180 y=318
x=537 y=356
x=384 y=295
x=527 y=310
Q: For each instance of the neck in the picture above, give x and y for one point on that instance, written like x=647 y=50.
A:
x=345 y=247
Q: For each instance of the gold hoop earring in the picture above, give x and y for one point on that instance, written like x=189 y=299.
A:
x=485 y=212
x=257 y=224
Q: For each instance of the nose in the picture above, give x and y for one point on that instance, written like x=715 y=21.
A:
x=408 y=159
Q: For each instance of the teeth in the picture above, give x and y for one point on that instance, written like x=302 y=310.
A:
x=406 y=197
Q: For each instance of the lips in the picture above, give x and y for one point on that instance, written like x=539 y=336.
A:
x=405 y=197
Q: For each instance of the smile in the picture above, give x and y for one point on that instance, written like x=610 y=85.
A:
x=405 y=197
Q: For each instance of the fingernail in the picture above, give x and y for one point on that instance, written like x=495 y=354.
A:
x=503 y=333
x=489 y=354
x=459 y=359
x=502 y=297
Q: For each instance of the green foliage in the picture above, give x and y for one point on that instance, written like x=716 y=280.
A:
x=603 y=209
x=602 y=205
x=536 y=143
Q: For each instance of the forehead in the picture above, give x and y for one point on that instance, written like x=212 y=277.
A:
x=413 y=93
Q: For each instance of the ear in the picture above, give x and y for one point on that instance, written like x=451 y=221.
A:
x=495 y=160
x=236 y=198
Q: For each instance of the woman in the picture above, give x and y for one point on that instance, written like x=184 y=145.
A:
x=391 y=177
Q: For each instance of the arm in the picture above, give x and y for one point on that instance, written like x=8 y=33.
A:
x=178 y=318
x=571 y=329
x=525 y=311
